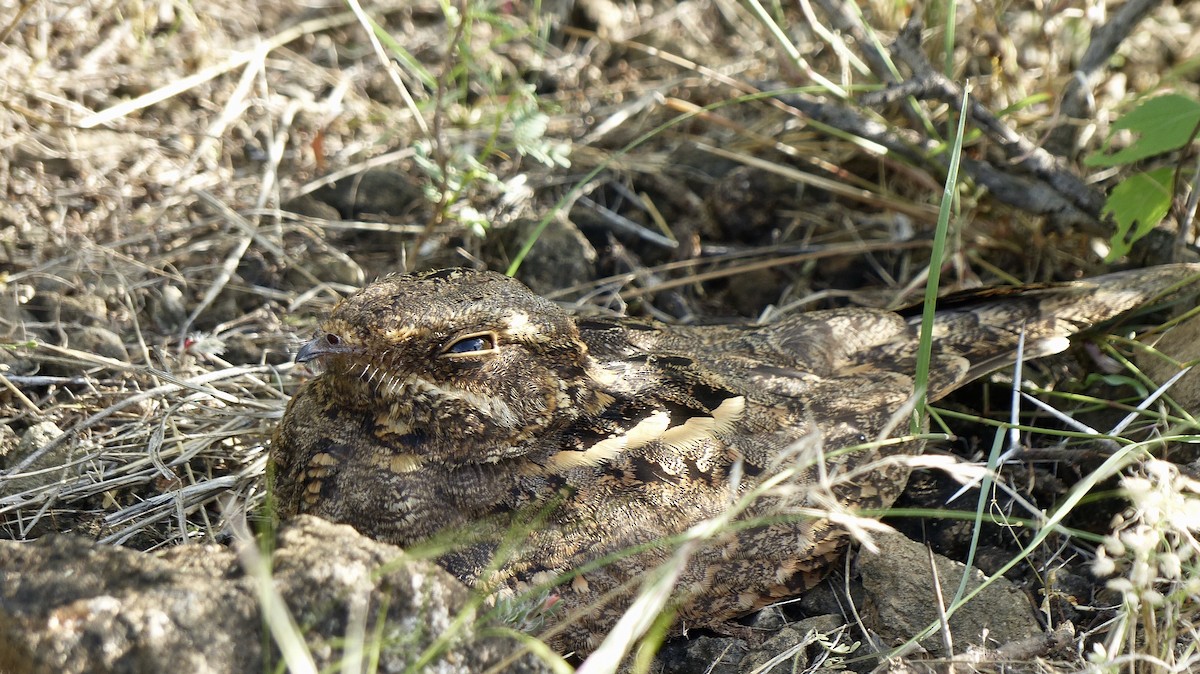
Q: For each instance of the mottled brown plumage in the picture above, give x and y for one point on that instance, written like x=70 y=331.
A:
x=457 y=402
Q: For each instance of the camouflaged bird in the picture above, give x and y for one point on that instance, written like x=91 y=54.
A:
x=458 y=402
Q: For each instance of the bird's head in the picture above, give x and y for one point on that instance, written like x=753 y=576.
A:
x=458 y=365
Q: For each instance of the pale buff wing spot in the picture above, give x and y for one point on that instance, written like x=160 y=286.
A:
x=646 y=430
x=656 y=428
x=542 y=579
x=392 y=422
x=580 y=584
x=323 y=459
x=729 y=413
x=318 y=472
x=404 y=463
x=699 y=429
x=398 y=463
x=1050 y=346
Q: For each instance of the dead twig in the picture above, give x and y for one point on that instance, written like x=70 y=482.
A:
x=1077 y=102
x=1078 y=201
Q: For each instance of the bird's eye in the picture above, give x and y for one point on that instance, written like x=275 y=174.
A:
x=471 y=344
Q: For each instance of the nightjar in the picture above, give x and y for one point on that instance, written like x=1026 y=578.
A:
x=569 y=453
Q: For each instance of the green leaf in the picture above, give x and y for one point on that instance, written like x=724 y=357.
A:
x=1164 y=123
x=1118 y=380
x=1140 y=201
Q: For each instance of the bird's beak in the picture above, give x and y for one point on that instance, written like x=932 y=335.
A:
x=319 y=346
x=310 y=350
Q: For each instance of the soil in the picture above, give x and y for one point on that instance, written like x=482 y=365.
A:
x=188 y=189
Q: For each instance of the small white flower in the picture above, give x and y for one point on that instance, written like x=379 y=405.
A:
x=1160 y=471
x=1169 y=565
x=1152 y=597
x=1121 y=585
x=1114 y=546
x=1192 y=587
x=1137 y=488
x=1142 y=575
x=1137 y=540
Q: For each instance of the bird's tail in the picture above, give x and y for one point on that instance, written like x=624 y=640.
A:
x=983 y=327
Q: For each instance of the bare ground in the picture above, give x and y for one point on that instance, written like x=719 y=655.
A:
x=187 y=189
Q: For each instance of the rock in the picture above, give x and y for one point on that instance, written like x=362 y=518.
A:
x=789 y=649
x=9 y=441
x=561 y=258
x=1183 y=344
x=97 y=340
x=374 y=192
x=33 y=439
x=309 y=206
x=68 y=604
x=14 y=361
x=86 y=309
x=714 y=655
x=786 y=649
x=829 y=598
x=900 y=600
x=747 y=204
x=752 y=291
x=787 y=646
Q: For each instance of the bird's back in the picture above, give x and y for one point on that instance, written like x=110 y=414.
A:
x=816 y=394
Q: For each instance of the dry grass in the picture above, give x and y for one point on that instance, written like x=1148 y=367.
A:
x=171 y=227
